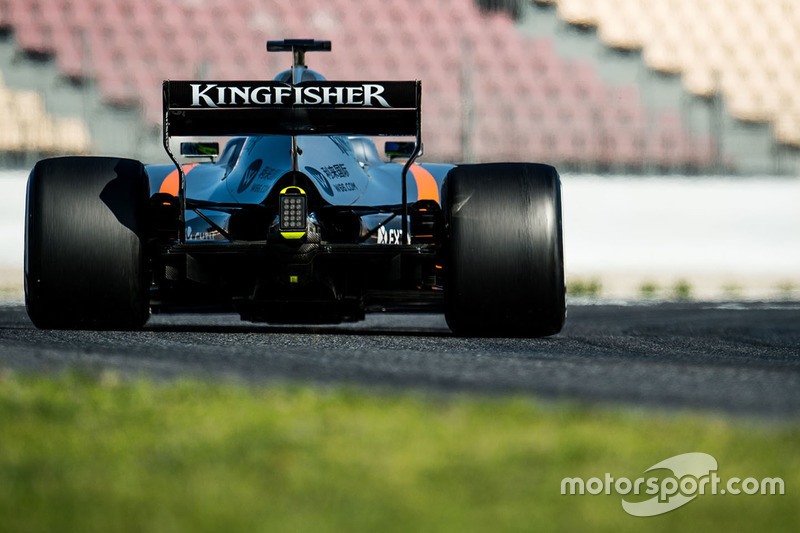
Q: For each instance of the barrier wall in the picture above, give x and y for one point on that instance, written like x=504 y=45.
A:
x=715 y=232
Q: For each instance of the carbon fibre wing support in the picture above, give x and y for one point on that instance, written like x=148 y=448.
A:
x=226 y=108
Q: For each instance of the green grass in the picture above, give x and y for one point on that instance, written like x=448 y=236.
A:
x=101 y=454
x=591 y=288
x=648 y=290
x=10 y=292
x=732 y=291
x=682 y=290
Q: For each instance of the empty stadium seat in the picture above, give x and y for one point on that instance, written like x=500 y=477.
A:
x=28 y=128
x=526 y=100
x=716 y=45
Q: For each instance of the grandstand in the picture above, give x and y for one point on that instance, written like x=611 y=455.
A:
x=743 y=51
x=28 y=128
x=490 y=91
x=747 y=50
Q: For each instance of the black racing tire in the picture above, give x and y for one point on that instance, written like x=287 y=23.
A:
x=85 y=266
x=505 y=260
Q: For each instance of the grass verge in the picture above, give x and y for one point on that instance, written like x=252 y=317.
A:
x=86 y=454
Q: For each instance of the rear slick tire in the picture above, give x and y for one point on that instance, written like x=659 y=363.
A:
x=85 y=265
x=505 y=260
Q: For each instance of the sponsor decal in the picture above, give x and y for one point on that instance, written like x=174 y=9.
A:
x=335 y=172
x=249 y=176
x=216 y=95
x=265 y=179
x=391 y=236
x=209 y=235
x=321 y=180
x=345 y=187
x=692 y=474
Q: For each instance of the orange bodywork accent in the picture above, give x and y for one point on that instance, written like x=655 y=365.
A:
x=170 y=183
x=427 y=188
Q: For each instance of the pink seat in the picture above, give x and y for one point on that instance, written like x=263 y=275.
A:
x=528 y=102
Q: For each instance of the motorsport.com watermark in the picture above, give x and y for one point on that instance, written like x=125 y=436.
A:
x=693 y=473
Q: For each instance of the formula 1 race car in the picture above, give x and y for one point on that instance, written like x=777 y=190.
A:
x=298 y=220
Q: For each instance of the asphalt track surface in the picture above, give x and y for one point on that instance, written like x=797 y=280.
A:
x=741 y=358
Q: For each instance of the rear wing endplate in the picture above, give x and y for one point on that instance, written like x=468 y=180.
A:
x=232 y=108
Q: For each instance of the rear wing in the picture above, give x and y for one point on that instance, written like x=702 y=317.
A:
x=275 y=108
x=231 y=108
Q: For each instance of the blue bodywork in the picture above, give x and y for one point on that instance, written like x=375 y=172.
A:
x=343 y=171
